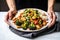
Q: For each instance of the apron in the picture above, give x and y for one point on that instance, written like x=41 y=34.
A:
x=40 y=4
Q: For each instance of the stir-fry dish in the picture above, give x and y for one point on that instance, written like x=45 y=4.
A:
x=30 y=19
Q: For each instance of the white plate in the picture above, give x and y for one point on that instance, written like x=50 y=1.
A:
x=20 y=29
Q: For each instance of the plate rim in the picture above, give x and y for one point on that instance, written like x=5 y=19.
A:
x=31 y=30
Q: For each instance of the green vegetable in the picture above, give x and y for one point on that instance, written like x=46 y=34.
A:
x=35 y=11
x=24 y=15
x=25 y=25
x=26 y=11
x=36 y=15
x=18 y=23
x=28 y=21
x=40 y=21
x=32 y=26
x=24 y=28
x=28 y=17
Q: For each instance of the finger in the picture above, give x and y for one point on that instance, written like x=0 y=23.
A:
x=56 y=16
x=6 y=18
x=49 y=25
x=53 y=20
x=14 y=12
x=50 y=14
x=10 y=15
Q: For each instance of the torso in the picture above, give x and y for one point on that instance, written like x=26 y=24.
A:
x=41 y=4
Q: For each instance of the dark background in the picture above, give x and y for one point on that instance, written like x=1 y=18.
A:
x=4 y=7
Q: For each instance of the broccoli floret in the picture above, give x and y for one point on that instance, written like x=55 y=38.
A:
x=18 y=23
x=36 y=11
x=25 y=25
x=24 y=28
x=32 y=26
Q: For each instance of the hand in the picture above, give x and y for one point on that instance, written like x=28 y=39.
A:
x=10 y=15
x=52 y=16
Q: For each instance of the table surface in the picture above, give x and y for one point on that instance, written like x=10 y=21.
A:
x=6 y=34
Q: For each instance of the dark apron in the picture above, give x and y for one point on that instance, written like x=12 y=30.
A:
x=40 y=4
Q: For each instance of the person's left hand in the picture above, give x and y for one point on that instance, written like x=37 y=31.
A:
x=52 y=16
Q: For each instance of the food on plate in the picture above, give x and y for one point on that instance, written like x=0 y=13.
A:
x=30 y=19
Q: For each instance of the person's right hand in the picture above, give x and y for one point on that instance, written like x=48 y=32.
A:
x=10 y=15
